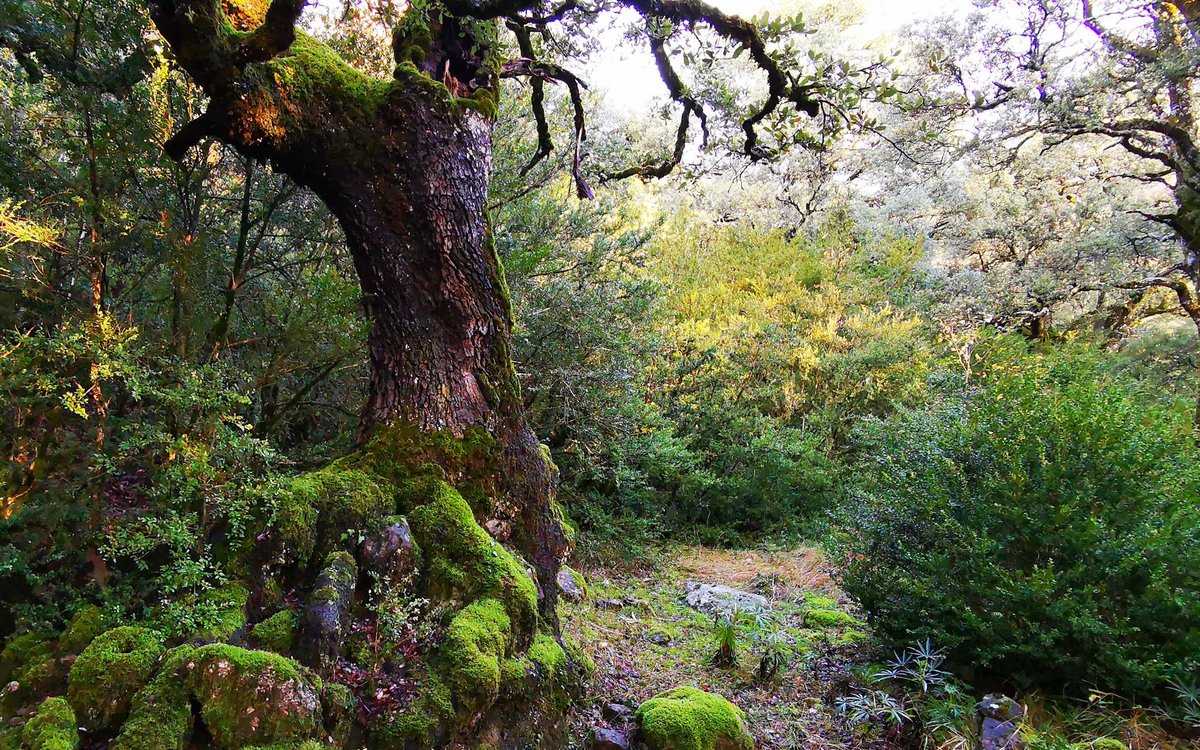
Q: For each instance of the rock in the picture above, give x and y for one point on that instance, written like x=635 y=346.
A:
x=388 y=553
x=609 y=739
x=998 y=728
x=617 y=712
x=327 y=614
x=610 y=604
x=109 y=672
x=685 y=718
x=658 y=638
x=1000 y=707
x=572 y=584
x=717 y=599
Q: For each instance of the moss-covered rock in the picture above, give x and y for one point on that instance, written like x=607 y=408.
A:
x=476 y=640
x=109 y=672
x=828 y=618
x=253 y=697
x=229 y=604
x=276 y=633
x=161 y=715
x=52 y=727
x=685 y=718
x=463 y=562
x=83 y=628
x=315 y=510
x=28 y=668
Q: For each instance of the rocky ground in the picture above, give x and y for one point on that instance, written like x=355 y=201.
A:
x=646 y=638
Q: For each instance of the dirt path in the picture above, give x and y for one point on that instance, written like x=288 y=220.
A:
x=645 y=639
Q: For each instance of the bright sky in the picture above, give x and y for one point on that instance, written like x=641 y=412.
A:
x=626 y=77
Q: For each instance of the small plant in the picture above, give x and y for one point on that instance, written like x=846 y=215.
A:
x=725 y=626
x=918 y=668
x=772 y=645
x=873 y=706
x=1187 y=692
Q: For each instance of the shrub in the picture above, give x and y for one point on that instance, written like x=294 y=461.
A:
x=1041 y=525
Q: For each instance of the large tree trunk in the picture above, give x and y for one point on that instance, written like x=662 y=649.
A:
x=404 y=165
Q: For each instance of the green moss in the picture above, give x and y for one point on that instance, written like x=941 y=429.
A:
x=229 y=601
x=249 y=697
x=109 y=672
x=819 y=601
x=87 y=623
x=585 y=667
x=418 y=724
x=52 y=728
x=548 y=655
x=316 y=509
x=161 y=715
x=828 y=618
x=276 y=633
x=23 y=651
x=412 y=40
x=849 y=637
x=685 y=718
x=464 y=563
x=475 y=642
x=1108 y=743
x=560 y=514
x=337 y=705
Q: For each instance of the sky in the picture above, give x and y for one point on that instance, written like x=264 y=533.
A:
x=627 y=78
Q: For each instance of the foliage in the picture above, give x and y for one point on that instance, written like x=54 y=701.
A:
x=1035 y=522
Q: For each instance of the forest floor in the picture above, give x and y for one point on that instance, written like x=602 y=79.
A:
x=646 y=639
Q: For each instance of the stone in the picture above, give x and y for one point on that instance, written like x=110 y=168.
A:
x=1000 y=707
x=388 y=552
x=610 y=604
x=658 y=638
x=999 y=716
x=609 y=739
x=715 y=599
x=617 y=712
x=571 y=584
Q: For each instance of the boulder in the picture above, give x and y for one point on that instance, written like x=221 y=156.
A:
x=609 y=739
x=389 y=553
x=999 y=716
x=715 y=599
x=572 y=584
x=685 y=718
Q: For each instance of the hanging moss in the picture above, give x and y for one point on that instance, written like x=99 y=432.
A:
x=276 y=633
x=685 y=718
x=109 y=672
x=52 y=727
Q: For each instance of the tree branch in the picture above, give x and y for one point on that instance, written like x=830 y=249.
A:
x=779 y=87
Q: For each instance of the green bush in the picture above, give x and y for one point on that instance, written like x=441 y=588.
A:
x=1041 y=524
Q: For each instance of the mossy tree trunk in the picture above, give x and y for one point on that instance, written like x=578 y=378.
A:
x=404 y=165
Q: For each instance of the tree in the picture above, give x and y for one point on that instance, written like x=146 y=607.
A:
x=1114 y=75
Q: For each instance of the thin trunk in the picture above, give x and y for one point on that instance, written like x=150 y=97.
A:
x=98 y=275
